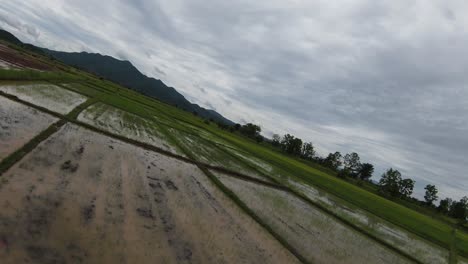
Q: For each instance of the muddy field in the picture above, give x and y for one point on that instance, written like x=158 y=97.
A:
x=395 y=236
x=317 y=236
x=18 y=125
x=48 y=96
x=80 y=197
x=15 y=59
x=126 y=124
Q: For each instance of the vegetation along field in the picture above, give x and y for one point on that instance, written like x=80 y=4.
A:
x=94 y=172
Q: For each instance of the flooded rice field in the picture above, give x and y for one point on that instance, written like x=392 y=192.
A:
x=81 y=197
x=126 y=124
x=206 y=152
x=49 y=96
x=317 y=236
x=403 y=240
x=18 y=125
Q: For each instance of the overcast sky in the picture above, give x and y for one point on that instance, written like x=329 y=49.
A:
x=385 y=79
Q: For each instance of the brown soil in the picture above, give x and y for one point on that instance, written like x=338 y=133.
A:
x=81 y=197
x=19 y=60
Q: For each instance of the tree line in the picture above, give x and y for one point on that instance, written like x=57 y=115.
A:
x=349 y=166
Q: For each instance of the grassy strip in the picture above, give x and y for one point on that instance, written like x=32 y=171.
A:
x=29 y=75
x=9 y=161
x=73 y=115
x=453 y=248
x=239 y=202
x=252 y=214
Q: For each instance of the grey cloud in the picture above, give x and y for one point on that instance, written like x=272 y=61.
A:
x=17 y=24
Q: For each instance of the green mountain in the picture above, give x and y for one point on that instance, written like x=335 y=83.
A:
x=123 y=73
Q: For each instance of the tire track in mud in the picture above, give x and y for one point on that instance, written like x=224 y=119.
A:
x=182 y=249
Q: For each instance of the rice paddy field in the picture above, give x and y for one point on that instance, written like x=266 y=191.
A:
x=92 y=172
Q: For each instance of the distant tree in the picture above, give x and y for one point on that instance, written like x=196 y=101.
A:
x=406 y=188
x=352 y=164
x=237 y=126
x=259 y=138
x=291 y=145
x=276 y=140
x=431 y=194
x=390 y=182
x=333 y=160
x=195 y=113
x=459 y=209
x=308 y=151
x=365 y=171
x=344 y=173
x=250 y=130
x=445 y=205
x=222 y=125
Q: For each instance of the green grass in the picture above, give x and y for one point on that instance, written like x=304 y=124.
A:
x=33 y=75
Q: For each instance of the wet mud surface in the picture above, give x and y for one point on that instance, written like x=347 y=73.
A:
x=49 y=96
x=18 y=125
x=81 y=197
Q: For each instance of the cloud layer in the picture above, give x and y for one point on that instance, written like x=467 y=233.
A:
x=386 y=79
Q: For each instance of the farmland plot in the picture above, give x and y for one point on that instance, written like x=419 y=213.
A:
x=48 y=96
x=18 y=125
x=316 y=236
x=207 y=135
x=205 y=152
x=81 y=197
x=6 y=65
x=395 y=236
x=15 y=60
x=126 y=124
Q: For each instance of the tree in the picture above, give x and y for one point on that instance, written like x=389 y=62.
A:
x=251 y=130
x=352 y=163
x=390 y=182
x=276 y=140
x=406 y=188
x=333 y=160
x=343 y=173
x=365 y=171
x=431 y=194
x=291 y=144
x=459 y=209
x=308 y=151
x=445 y=205
x=259 y=138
